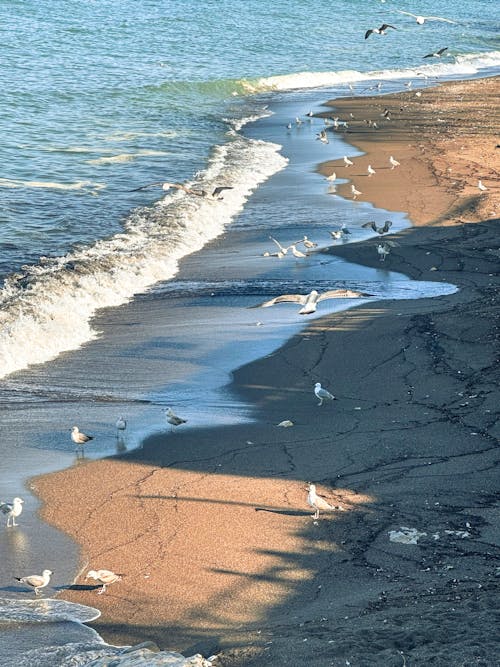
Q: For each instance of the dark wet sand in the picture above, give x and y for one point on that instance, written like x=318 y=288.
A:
x=211 y=526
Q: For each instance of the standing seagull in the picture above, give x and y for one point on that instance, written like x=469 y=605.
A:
x=310 y=301
x=379 y=230
x=371 y=170
x=322 y=394
x=173 y=419
x=422 y=19
x=104 y=577
x=384 y=249
x=80 y=438
x=347 y=162
x=394 y=163
x=322 y=137
x=121 y=425
x=36 y=581
x=308 y=243
x=297 y=253
x=317 y=502
x=482 y=187
x=12 y=510
x=379 y=31
x=332 y=177
x=437 y=54
x=355 y=192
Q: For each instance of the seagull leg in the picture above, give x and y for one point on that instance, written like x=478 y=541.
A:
x=102 y=590
x=320 y=401
x=316 y=514
x=14 y=521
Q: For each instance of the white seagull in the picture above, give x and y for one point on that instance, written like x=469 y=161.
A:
x=317 y=502
x=166 y=185
x=281 y=249
x=215 y=194
x=80 y=438
x=309 y=302
x=332 y=177
x=370 y=170
x=36 y=581
x=104 y=577
x=422 y=19
x=322 y=394
x=173 y=419
x=394 y=163
x=308 y=243
x=379 y=31
x=355 y=192
x=12 y=510
x=347 y=162
x=322 y=137
x=380 y=230
x=384 y=249
x=297 y=253
x=121 y=424
x=482 y=187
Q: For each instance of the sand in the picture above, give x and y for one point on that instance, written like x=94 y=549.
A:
x=211 y=527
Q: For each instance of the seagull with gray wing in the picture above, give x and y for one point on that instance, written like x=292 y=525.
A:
x=380 y=230
x=309 y=302
x=379 y=31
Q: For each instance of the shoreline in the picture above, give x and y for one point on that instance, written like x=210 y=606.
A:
x=236 y=547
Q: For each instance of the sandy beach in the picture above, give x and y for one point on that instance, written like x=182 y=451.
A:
x=211 y=527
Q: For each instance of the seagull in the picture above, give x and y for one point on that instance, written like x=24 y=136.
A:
x=166 y=185
x=322 y=137
x=355 y=192
x=80 y=438
x=384 y=249
x=379 y=31
x=121 y=424
x=394 y=163
x=379 y=230
x=297 y=253
x=332 y=177
x=347 y=162
x=173 y=419
x=422 y=19
x=317 y=502
x=281 y=249
x=371 y=170
x=308 y=243
x=309 y=302
x=215 y=194
x=482 y=187
x=289 y=126
x=437 y=54
x=12 y=510
x=341 y=232
x=322 y=394
x=104 y=577
x=36 y=581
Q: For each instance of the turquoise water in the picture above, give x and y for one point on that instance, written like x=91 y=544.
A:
x=101 y=98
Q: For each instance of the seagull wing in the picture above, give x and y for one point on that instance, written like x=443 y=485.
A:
x=149 y=185
x=281 y=248
x=284 y=298
x=34 y=580
x=441 y=51
x=400 y=11
x=387 y=25
x=368 y=33
x=440 y=18
x=6 y=508
x=220 y=189
x=341 y=294
x=371 y=224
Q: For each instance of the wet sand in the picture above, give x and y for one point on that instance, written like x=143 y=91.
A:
x=211 y=526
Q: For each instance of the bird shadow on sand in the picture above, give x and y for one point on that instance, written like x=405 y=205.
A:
x=283 y=512
x=77 y=587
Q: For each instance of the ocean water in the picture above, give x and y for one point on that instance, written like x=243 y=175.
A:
x=102 y=98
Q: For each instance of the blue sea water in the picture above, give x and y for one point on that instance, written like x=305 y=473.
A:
x=100 y=98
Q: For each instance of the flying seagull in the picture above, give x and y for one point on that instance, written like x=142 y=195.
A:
x=173 y=419
x=104 y=577
x=394 y=163
x=12 y=510
x=166 y=185
x=80 y=438
x=422 y=19
x=309 y=302
x=437 y=54
x=281 y=249
x=215 y=194
x=379 y=31
x=36 y=581
x=322 y=394
x=317 y=502
x=380 y=230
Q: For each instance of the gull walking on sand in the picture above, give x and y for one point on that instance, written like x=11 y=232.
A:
x=173 y=419
x=12 y=510
x=332 y=177
x=347 y=162
x=36 y=581
x=422 y=19
x=379 y=31
x=394 y=163
x=309 y=302
x=104 y=577
x=380 y=230
x=322 y=394
x=80 y=438
x=355 y=192
x=482 y=187
x=317 y=502
x=370 y=170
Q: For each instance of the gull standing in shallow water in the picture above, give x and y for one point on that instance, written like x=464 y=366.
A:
x=355 y=192
x=322 y=394
x=317 y=502
x=12 y=510
x=36 y=581
x=384 y=249
x=80 y=438
x=310 y=301
x=121 y=424
x=104 y=577
x=173 y=419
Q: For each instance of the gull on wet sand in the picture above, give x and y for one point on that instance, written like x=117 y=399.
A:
x=322 y=394
x=317 y=502
x=332 y=177
x=104 y=577
x=36 y=581
x=12 y=510
x=309 y=302
x=370 y=170
x=347 y=162
x=173 y=419
x=422 y=19
x=482 y=187
x=394 y=163
x=436 y=54
x=380 y=230
x=379 y=31
x=355 y=192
